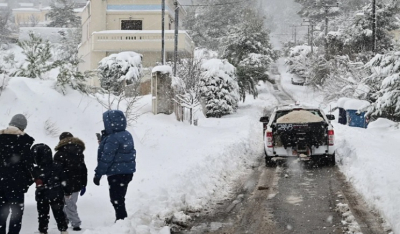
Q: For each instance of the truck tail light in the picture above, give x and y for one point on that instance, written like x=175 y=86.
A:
x=269 y=139
x=331 y=137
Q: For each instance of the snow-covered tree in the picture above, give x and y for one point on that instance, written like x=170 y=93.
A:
x=62 y=14
x=298 y=60
x=118 y=70
x=354 y=34
x=6 y=26
x=67 y=53
x=384 y=82
x=248 y=48
x=344 y=79
x=38 y=57
x=209 y=25
x=219 y=88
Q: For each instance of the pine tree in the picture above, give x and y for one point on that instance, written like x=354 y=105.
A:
x=38 y=57
x=69 y=75
x=210 y=25
x=62 y=14
x=248 y=48
x=219 y=88
x=5 y=21
x=384 y=82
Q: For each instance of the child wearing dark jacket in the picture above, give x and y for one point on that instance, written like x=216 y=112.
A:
x=51 y=187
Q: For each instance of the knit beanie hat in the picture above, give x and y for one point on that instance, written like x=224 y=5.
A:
x=65 y=135
x=19 y=121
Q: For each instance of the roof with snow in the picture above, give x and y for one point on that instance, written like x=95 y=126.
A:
x=352 y=104
x=26 y=4
x=136 y=8
x=47 y=33
x=26 y=9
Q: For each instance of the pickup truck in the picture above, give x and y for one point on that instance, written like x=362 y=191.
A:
x=298 y=131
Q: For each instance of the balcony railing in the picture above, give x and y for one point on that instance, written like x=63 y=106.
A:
x=139 y=41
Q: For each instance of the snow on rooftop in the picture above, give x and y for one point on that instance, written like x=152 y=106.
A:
x=26 y=4
x=164 y=69
x=79 y=10
x=26 y=9
x=352 y=104
x=132 y=7
x=46 y=33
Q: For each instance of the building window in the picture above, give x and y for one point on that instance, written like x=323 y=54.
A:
x=131 y=25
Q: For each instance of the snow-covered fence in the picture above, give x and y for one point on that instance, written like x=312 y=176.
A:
x=186 y=107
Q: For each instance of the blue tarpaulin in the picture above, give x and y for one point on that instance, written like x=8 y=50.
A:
x=356 y=119
x=349 y=113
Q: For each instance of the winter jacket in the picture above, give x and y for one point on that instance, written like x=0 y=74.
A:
x=16 y=162
x=70 y=156
x=53 y=181
x=116 y=153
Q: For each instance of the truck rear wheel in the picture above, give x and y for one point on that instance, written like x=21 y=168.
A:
x=331 y=160
x=268 y=160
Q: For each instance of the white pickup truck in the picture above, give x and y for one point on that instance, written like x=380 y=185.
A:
x=298 y=131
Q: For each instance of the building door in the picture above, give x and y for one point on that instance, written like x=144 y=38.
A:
x=131 y=25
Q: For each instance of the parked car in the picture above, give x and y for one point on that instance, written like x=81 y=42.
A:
x=298 y=80
x=298 y=131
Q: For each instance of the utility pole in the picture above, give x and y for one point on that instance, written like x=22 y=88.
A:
x=310 y=33
x=163 y=33
x=373 y=25
x=176 y=35
x=326 y=24
x=295 y=32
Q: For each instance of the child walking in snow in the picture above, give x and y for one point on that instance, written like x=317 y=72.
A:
x=69 y=154
x=51 y=187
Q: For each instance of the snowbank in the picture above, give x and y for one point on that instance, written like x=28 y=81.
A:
x=179 y=167
x=382 y=123
x=370 y=160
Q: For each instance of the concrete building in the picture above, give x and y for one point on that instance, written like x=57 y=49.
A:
x=31 y=16
x=112 y=26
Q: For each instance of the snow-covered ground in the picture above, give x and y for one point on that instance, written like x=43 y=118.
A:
x=368 y=157
x=183 y=168
x=180 y=167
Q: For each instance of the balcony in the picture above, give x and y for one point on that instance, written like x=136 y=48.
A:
x=139 y=41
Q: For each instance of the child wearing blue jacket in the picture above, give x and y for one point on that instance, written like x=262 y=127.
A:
x=116 y=157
